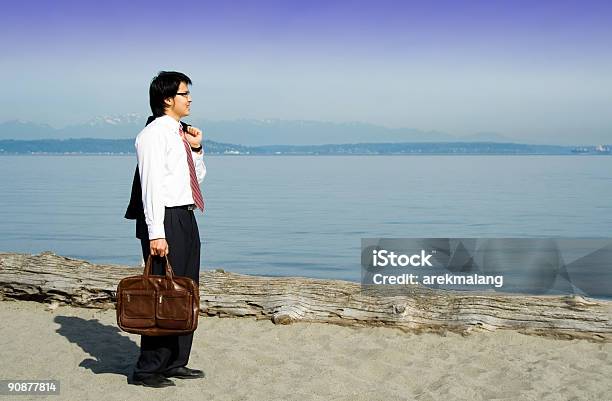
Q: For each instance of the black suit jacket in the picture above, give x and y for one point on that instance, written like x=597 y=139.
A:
x=135 y=209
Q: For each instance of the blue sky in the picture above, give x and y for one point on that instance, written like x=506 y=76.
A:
x=534 y=71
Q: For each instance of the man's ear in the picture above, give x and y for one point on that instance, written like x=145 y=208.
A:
x=169 y=101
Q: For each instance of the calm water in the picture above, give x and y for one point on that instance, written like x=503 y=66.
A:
x=306 y=215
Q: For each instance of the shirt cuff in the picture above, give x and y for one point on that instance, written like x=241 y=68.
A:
x=156 y=231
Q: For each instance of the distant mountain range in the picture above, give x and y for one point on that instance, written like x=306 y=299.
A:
x=116 y=127
x=245 y=132
x=299 y=132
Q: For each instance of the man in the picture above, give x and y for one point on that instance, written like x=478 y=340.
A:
x=170 y=168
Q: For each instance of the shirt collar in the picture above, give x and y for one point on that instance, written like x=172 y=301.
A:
x=169 y=122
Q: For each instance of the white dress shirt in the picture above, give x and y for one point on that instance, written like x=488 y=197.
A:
x=164 y=172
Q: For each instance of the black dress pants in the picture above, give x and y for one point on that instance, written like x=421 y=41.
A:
x=161 y=353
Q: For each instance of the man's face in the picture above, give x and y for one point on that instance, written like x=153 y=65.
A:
x=180 y=104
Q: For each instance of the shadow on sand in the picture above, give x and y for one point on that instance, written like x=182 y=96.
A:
x=111 y=351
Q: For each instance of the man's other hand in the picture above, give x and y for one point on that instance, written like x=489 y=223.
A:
x=158 y=247
x=194 y=136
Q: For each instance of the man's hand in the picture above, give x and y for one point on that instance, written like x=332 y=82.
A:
x=158 y=247
x=194 y=136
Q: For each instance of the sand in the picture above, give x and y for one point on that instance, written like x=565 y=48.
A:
x=246 y=359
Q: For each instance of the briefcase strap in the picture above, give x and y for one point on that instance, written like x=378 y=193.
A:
x=148 y=265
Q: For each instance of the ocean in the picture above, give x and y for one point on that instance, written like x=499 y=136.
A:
x=306 y=215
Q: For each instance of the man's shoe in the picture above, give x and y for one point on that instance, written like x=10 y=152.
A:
x=154 y=380
x=184 y=373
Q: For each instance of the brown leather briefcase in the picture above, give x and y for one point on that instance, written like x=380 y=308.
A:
x=158 y=305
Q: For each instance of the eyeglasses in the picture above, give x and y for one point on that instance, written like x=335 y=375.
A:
x=186 y=94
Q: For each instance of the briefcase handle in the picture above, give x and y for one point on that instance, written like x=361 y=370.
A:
x=169 y=271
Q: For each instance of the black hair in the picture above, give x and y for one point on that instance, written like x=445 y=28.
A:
x=163 y=86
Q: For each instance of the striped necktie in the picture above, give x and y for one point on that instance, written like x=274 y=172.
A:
x=195 y=186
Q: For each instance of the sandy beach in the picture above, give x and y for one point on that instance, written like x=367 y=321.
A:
x=246 y=359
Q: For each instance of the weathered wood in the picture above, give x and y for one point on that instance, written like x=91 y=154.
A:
x=51 y=278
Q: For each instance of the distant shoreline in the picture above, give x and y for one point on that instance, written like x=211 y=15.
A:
x=315 y=155
x=125 y=147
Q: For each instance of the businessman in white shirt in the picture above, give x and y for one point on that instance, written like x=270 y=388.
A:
x=171 y=166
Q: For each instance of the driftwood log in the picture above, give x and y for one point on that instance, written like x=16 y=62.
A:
x=51 y=278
